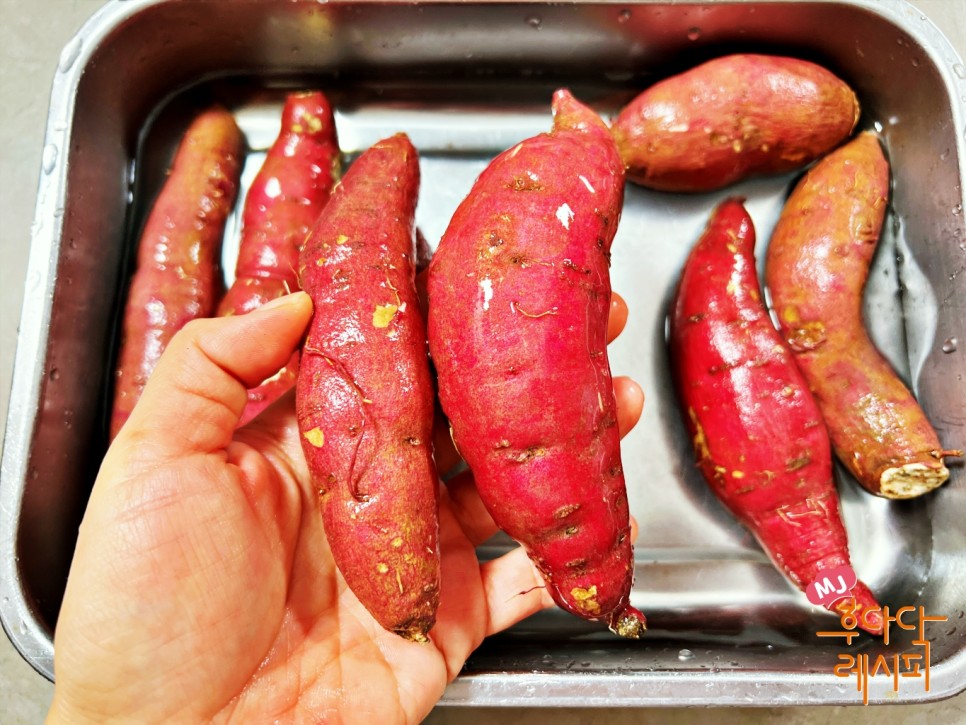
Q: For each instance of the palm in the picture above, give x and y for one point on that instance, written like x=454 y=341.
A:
x=318 y=648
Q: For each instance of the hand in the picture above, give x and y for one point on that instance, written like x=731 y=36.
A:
x=202 y=586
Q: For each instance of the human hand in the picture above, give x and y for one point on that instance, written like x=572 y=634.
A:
x=202 y=585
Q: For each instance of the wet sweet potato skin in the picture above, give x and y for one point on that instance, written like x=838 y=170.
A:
x=519 y=294
x=176 y=278
x=281 y=207
x=731 y=118
x=364 y=396
x=816 y=268
x=758 y=435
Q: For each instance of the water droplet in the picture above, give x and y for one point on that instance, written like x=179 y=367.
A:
x=733 y=663
x=34 y=474
x=69 y=55
x=893 y=120
x=48 y=158
x=878 y=126
x=54 y=374
x=769 y=647
x=623 y=16
x=6 y=600
x=685 y=655
x=944 y=155
x=950 y=345
x=534 y=21
x=960 y=70
x=694 y=33
x=915 y=62
x=957 y=210
x=23 y=626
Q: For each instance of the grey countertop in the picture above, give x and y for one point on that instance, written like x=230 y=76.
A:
x=31 y=37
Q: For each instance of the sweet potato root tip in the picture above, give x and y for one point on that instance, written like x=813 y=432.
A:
x=862 y=607
x=416 y=631
x=629 y=623
x=911 y=480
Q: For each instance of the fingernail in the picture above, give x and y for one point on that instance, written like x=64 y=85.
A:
x=288 y=300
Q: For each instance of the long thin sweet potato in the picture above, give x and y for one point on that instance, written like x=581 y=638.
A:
x=176 y=279
x=733 y=117
x=364 y=396
x=817 y=264
x=519 y=292
x=757 y=432
x=282 y=204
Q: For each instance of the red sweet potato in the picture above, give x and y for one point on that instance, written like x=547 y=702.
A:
x=816 y=268
x=519 y=292
x=283 y=203
x=731 y=118
x=364 y=395
x=176 y=279
x=757 y=431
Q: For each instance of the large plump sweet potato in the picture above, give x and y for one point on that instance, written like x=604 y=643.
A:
x=364 y=395
x=757 y=432
x=817 y=264
x=281 y=207
x=733 y=117
x=176 y=278
x=519 y=292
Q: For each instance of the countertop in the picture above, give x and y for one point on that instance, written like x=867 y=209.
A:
x=31 y=37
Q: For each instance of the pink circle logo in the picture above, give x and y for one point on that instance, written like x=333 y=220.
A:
x=831 y=586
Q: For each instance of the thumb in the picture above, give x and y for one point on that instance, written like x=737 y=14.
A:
x=197 y=392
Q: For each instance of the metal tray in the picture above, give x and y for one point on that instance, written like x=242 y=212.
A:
x=466 y=81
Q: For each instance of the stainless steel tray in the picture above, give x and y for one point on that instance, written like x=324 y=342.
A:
x=466 y=81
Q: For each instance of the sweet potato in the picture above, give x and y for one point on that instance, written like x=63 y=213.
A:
x=282 y=204
x=176 y=278
x=731 y=118
x=757 y=432
x=816 y=267
x=364 y=396
x=519 y=292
